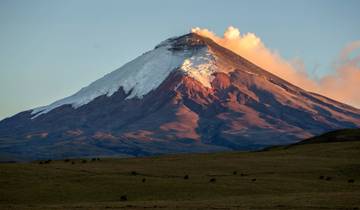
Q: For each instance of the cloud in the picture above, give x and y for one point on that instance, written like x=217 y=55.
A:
x=342 y=85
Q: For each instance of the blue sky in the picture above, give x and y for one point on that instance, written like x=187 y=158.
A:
x=50 y=49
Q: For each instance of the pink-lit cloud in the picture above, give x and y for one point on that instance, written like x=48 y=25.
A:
x=342 y=85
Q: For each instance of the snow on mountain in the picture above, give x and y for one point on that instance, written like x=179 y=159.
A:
x=143 y=74
x=201 y=67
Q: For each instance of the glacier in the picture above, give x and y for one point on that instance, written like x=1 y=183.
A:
x=143 y=74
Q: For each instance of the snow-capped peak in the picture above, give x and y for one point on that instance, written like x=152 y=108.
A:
x=147 y=72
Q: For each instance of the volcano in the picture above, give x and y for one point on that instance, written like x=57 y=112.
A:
x=188 y=94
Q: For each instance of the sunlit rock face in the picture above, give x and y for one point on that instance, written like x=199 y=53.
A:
x=187 y=95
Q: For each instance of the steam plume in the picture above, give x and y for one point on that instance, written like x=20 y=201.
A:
x=342 y=85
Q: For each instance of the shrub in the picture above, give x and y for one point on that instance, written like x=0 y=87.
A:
x=253 y=180
x=123 y=198
x=351 y=181
x=143 y=180
x=234 y=172
x=321 y=177
x=72 y=162
x=134 y=173
x=83 y=161
x=66 y=160
x=328 y=178
x=212 y=180
x=186 y=177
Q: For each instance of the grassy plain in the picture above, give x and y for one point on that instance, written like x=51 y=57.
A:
x=310 y=176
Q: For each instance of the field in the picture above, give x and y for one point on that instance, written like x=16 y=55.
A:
x=310 y=176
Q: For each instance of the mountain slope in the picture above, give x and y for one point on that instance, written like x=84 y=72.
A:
x=343 y=135
x=187 y=95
